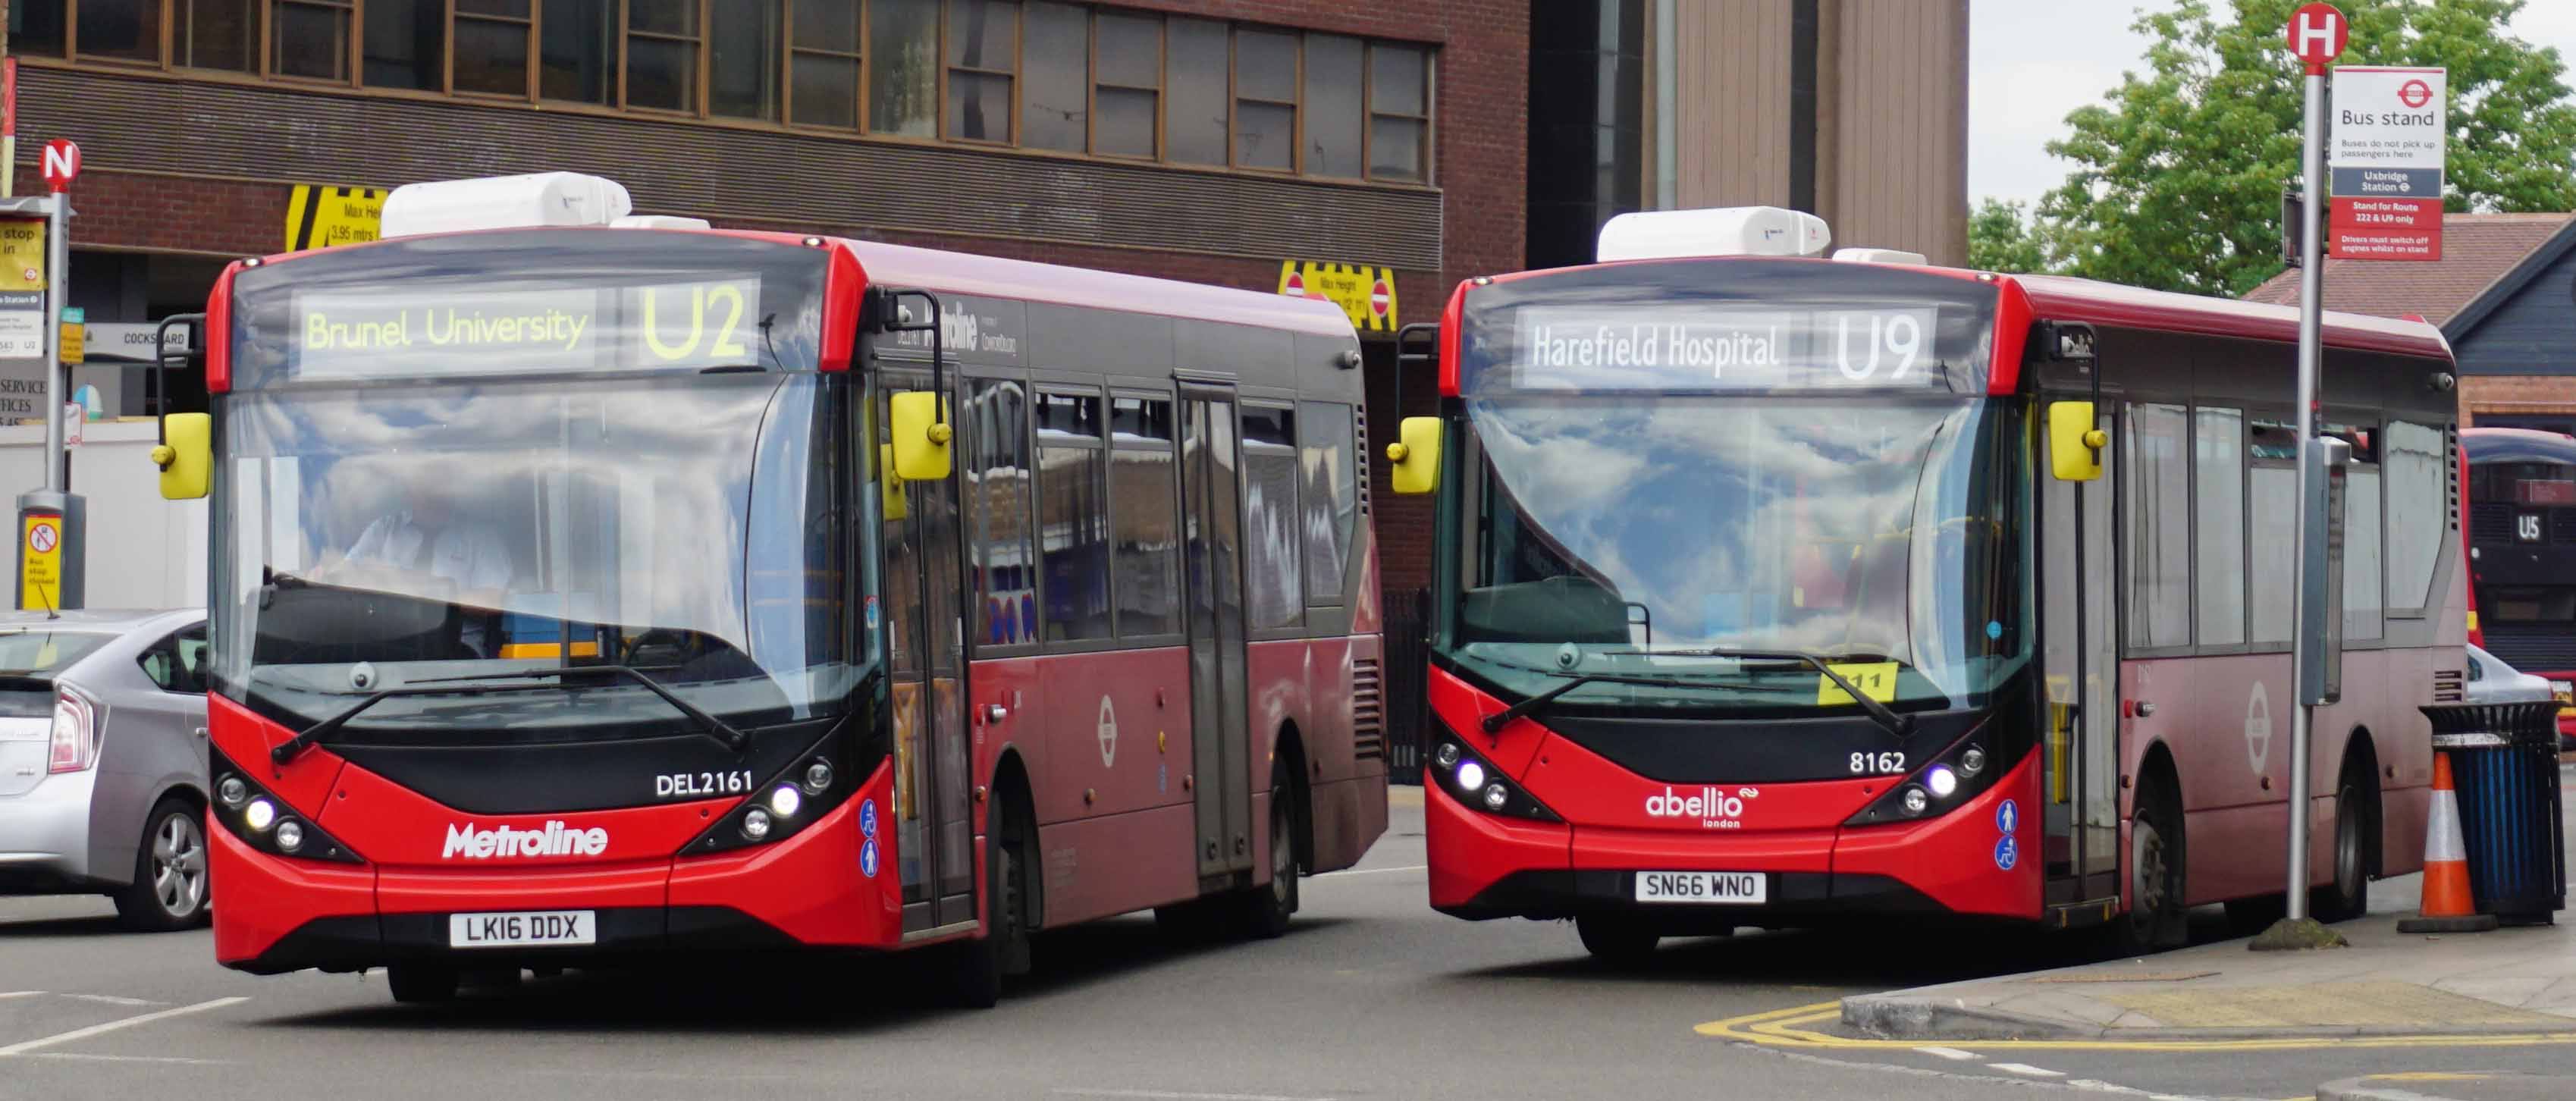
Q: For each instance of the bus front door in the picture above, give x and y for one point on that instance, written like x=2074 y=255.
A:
x=2080 y=735
x=1212 y=567
x=935 y=830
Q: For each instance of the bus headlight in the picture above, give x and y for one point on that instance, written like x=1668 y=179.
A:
x=1916 y=802
x=1942 y=781
x=1973 y=761
x=1446 y=755
x=755 y=823
x=818 y=777
x=1496 y=795
x=233 y=791
x=290 y=835
x=264 y=822
x=786 y=801
x=1480 y=786
x=1471 y=776
x=260 y=814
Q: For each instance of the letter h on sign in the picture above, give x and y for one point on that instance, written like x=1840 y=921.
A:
x=2318 y=33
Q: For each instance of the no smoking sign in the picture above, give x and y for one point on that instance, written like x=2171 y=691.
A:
x=43 y=536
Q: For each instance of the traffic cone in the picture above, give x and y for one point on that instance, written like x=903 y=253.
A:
x=2448 y=906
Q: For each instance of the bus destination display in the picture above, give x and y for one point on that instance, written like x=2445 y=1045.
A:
x=406 y=331
x=1751 y=347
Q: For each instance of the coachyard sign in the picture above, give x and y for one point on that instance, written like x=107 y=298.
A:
x=1366 y=293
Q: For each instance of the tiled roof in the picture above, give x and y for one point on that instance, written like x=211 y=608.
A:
x=2477 y=249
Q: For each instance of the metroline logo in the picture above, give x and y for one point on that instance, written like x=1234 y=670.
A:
x=555 y=839
x=1714 y=808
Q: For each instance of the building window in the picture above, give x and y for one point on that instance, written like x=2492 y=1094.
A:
x=745 y=39
x=1265 y=100
x=576 y=58
x=824 y=67
x=1195 y=64
x=1128 y=55
x=983 y=59
x=36 y=27
x=217 y=34
x=662 y=38
x=1399 y=113
x=1335 y=86
x=310 y=38
x=1054 y=79
x=903 y=67
x=122 y=30
x=491 y=55
x=404 y=44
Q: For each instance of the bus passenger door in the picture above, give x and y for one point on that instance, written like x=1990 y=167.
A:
x=1212 y=567
x=2079 y=610
x=935 y=831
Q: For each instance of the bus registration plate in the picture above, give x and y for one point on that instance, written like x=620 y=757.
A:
x=523 y=928
x=1717 y=888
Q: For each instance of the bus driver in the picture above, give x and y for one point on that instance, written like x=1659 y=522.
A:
x=429 y=536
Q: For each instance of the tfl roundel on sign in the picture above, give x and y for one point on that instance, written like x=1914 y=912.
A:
x=62 y=164
x=2318 y=33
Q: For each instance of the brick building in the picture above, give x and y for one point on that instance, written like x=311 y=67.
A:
x=2500 y=294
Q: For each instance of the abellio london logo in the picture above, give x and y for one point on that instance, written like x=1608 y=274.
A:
x=1714 y=808
x=553 y=839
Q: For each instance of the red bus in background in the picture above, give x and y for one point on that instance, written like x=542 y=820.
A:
x=2521 y=540
x=1774 y=590
x=569 y=607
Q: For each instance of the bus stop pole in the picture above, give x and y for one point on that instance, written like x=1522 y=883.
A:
x=2311 y=562
x=57 y=295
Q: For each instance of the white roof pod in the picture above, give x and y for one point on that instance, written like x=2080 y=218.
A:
x=1881 y=256
x=659 y=221
x=1716 y=231
x=505 y=202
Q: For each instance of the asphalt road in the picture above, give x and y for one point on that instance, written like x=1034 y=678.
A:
x=1371 y=995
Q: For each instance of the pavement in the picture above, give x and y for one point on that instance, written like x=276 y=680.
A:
x=2509 y=982
x=2450 y=1086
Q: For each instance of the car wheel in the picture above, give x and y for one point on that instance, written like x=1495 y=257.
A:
x=169 y=890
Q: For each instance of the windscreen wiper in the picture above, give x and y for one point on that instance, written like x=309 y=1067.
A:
x=1495 y=722
x=473 y=685
x=1896 y=722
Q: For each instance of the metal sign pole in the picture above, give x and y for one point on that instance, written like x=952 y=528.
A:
x=57 y=293
x=2311 y=257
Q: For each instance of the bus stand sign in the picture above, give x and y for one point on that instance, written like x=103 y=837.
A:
x=2385 y=163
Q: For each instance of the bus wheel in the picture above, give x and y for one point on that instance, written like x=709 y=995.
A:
x=2348 y=896
x=983 y=962
x=2157 y=919
x=415 y=983
x=1266 y=909
x=1616 y=939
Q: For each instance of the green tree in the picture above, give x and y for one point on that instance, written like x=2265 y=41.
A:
x=2178 y=175
x=2001 y=238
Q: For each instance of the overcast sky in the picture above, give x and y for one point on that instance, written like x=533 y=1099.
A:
x=2032 y=61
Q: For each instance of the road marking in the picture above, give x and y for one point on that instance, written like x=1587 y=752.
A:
x=19 y=993
x=1161 y=1095
x=89 y=1058
x=1329 y=875
x=111 y=1026
x=112 y=999
x=1951 y=1053
x=1786 y=1028
x=2026 y=1070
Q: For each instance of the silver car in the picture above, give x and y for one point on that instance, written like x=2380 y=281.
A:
x=103 y=759
x=2493 y=681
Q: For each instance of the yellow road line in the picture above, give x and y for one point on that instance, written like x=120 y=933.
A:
x=1786 y=1028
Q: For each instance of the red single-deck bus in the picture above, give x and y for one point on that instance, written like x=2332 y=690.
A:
x=1775 y=591
x=581 y=594
x=2522 y=553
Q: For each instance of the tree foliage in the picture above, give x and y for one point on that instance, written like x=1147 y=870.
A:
x=2001 y=238
x=2178 y=174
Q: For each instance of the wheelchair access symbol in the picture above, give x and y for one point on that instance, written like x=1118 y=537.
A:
x=867 y=818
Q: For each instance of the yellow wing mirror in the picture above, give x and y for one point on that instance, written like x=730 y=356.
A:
x=1416 y=456
x=186 y=455
x=921 y=436
x=2074 y=443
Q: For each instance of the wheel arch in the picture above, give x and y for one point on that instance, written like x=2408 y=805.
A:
x=1011 y=790
x=1288 y=754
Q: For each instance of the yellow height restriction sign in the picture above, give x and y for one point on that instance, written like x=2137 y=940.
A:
x=1364 y=292
x=40 y=572
x=22 y=254
x=320 y=216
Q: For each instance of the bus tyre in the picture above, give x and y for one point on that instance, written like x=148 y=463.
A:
x=984 y=962
x=169 y=891
x=421 y=983
x=1265 y=910
x=1616 y=939
x=2347 y=896
x=2157 y=918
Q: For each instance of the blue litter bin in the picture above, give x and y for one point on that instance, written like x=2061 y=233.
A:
x=2504 y=763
